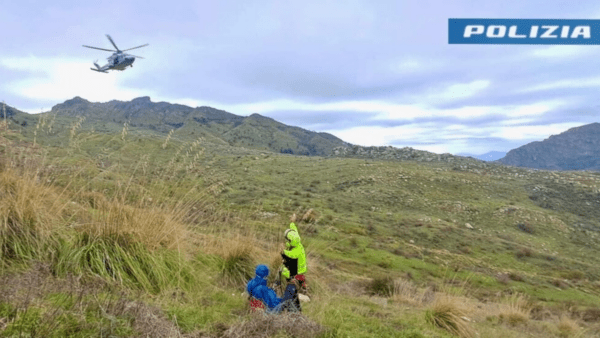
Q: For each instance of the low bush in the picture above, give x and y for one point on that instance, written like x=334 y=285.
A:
x=524 y=252
x=381 y=286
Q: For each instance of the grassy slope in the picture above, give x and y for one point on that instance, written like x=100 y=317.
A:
x=390 y=221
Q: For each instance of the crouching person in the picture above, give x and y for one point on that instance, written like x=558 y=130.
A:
x=261 y=296
x=294 y=265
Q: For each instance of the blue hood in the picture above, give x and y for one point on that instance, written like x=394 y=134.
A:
x=262 y=271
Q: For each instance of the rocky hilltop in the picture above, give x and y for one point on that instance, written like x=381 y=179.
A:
x=575 y=149
x=401 y=154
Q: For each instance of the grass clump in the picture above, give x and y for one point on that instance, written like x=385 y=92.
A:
x=516 y=310
x=123 y=259
x=406 y=292
x=238 y=265
x=447 y=314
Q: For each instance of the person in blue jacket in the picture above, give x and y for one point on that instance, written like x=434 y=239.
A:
x=258 y=289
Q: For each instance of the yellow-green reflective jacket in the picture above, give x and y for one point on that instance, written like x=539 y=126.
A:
x=295 y=250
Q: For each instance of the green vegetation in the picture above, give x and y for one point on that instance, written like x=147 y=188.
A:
x=131 y=233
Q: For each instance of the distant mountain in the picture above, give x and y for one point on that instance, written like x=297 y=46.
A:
x=254 y=131
x=9 y=112
x=489 y=156
x=15 y=117
x=575 y=149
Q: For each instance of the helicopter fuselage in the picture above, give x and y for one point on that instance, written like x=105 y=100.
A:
x=120 y=62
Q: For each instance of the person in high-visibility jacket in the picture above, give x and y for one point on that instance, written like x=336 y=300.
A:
x=294 y=256
x=294 y=262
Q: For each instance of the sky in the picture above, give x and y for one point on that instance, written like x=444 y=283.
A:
x=373 y=73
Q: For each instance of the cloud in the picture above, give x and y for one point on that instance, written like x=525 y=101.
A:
x=562 y=52
x=58 y=79
x=462 y=90
x=589 y=82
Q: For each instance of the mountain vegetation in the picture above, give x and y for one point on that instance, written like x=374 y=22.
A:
x=115 y=228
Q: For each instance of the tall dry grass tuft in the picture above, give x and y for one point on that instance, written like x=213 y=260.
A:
x=568 y=327
x=449 y=314
x=29 y=212
x=405 y=291
x=140 y=245
x=516 y=310
x=125 y=131
x=164 y=145
x=158 y=226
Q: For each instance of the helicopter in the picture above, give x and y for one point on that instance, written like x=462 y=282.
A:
x=117 y=61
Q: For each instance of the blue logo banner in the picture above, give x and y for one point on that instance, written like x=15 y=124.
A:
x=524 y=31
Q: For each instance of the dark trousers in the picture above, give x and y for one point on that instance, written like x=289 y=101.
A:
x=290 y=301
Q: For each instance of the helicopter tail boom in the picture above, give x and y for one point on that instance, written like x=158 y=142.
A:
x=98 y=68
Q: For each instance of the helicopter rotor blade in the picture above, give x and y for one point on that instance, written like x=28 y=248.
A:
x=107 y=50
x=113 y=43
x=124 y=50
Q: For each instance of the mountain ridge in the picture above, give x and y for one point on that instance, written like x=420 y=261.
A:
x=575 y=149
x=254 y=131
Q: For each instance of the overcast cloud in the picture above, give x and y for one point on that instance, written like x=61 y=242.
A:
x=369 y=72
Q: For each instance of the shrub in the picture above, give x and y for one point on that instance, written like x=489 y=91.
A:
x=503 y=278
x=573 y=275
x=384 y=264
x=559 y=283
x=524 y=252
x=382 y=286
x=591 y=315
x=525 y=227
x=516 y=277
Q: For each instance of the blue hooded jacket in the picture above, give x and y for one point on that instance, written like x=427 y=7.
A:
x=257 y=288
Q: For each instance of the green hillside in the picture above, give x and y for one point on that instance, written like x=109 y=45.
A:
x=117 y=229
